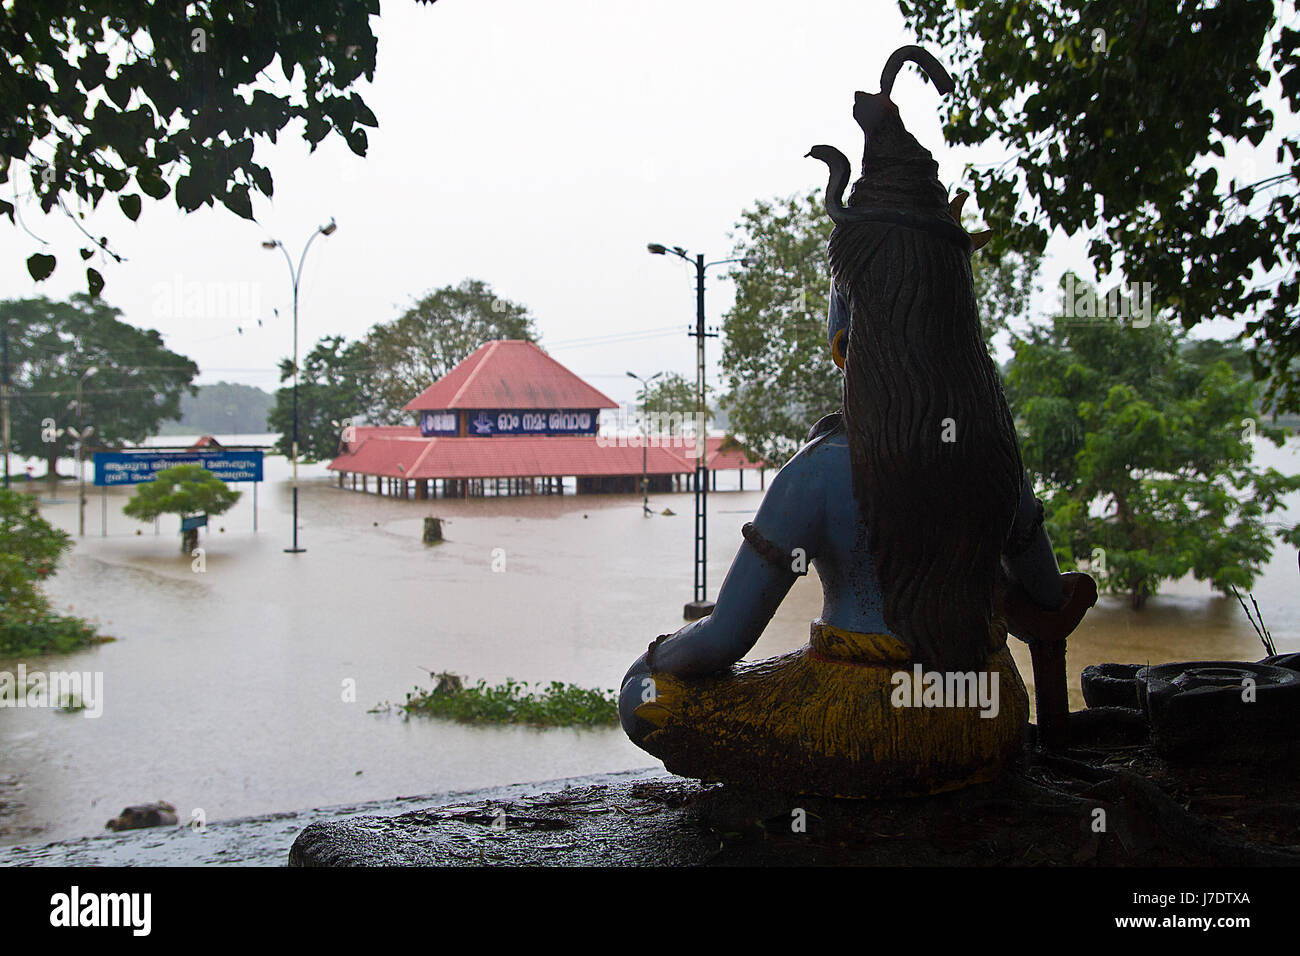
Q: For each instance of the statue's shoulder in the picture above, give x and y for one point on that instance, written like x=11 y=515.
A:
x=825 y=442
x=827 y=425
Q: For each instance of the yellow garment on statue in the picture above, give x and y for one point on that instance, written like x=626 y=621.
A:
x=823 y=720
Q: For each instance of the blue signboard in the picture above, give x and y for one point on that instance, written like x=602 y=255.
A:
x=435 y=424
x=134 y=468
x=543 y=422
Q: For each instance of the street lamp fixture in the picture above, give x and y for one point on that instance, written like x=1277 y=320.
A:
x=295 y=275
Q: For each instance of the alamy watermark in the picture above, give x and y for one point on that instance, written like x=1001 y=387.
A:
x=633 y=428
x=1080 y=302
x=179 y=299
x=60 y=690
x=921 y=688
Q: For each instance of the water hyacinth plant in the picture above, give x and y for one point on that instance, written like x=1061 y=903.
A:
x=514 y=702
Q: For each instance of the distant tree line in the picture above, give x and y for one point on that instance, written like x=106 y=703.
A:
x=225 y=408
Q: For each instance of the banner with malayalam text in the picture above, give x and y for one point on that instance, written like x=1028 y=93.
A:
x=138 y=467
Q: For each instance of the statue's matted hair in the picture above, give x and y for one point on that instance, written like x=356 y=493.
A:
x=936 y=464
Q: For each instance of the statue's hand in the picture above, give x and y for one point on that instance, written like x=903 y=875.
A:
x=1029 y=622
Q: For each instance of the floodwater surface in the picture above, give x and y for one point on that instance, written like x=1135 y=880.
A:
x=247 y=687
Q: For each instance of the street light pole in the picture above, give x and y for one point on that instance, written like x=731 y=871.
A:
x=4 y=393
x=82 y=432
x=645 y=437
x=700 y=605
x=295 y=275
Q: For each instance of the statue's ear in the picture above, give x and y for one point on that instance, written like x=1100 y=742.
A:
x=837 y=348
x=837 y=325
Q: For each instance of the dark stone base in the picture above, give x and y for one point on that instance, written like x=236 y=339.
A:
x=637 y=824
x=1044 y=813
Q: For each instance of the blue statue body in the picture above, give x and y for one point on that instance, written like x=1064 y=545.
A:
x=912 y=505
x=810 y=506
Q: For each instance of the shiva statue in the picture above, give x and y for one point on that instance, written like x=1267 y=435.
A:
x=913 y=506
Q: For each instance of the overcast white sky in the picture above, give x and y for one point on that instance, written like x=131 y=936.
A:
x=536 y=146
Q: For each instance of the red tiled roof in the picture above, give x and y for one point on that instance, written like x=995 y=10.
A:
x=361 y=432
x=506 y=457
x=383 y=456
x=731 y=459
x=396 y=453
x=509 y=374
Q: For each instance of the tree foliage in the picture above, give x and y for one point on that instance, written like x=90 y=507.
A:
x=332 y=394
x=670 y=404
x=776 y=361
x=181 y=490
x=116 y=97
x=370 y=380
x=137 y=383
x=30 y=549
x=1144 y=450
x=1115 y=117
x=413 y=351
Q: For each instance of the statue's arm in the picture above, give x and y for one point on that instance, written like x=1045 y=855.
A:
x=759 y=579
x=1029 y=555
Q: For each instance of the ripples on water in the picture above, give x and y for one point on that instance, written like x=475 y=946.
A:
x=225 y=690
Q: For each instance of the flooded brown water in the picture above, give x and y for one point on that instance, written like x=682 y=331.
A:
x=225 y=690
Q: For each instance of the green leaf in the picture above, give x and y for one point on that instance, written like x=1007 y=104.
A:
x=190 y=195
x=40 y=266
x=237 y=201
x=130 y=205
x=364 y=115
x=151 y=183
x=94 y=282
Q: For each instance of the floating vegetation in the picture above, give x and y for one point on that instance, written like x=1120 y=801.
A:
x=70 y=703
x=514 y=702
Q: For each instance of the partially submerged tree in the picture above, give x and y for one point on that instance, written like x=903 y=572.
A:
x=411 y=352
x=670 y=405
x=30 y=549
x=137 y=382
x=333 y=388
x=1144 y=455
x=184 y=490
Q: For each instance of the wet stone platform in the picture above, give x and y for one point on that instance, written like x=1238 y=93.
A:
x=642 y=823
x=1117 y=806
x=262 y=840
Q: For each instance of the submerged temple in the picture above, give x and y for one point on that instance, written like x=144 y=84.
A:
x=510 y=419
